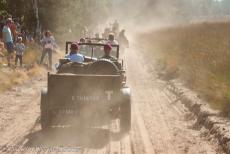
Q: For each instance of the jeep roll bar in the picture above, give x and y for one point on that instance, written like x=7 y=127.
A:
x=92 y=44
x=96 y=39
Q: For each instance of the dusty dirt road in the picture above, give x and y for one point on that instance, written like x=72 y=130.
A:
x=160 y=123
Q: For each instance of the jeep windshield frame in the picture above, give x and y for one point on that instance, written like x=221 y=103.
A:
x=93 y=46
x=95 y=39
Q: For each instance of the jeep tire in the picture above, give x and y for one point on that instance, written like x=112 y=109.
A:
x=45 y=114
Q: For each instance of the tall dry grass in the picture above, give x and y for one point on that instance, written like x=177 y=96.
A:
x=200 y=54
x=10 y=77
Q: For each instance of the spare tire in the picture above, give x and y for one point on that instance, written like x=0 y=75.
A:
x=103 y=67
x=72 y=67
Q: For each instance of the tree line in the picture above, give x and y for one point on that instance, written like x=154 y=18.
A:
x=71 y=16
x=58 y=16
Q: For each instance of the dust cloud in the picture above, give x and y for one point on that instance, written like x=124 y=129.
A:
x=69 y=18
x=150 y=14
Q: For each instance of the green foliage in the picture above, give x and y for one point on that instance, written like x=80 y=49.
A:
x=59 y=16
x=20 y=8
x=3 y=6
x=72 y=15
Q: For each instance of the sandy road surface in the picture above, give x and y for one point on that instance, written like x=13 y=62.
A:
x=160 y=123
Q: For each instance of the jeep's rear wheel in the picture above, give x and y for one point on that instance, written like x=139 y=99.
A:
x=103 y=67
x=45 y=114
x=125 y=116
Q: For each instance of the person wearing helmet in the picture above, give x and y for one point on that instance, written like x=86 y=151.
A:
x=111 y=39
x=74 y=55
x=107 y=53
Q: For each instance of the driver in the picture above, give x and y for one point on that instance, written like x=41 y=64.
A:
x=107 y=53
x=74 y=55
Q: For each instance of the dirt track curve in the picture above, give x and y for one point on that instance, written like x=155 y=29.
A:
x=160 y=123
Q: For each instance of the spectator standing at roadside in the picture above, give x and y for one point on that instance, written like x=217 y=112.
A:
x=48 y=43
x=13 y=29
x=20 y=49
x=8 y=40
x=12 y=26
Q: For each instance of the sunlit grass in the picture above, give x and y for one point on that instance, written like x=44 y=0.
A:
x=14 y=76
x=201 y=55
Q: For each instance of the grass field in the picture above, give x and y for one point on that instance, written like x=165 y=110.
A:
x=199 y=54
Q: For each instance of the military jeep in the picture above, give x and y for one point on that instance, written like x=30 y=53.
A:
x=93 y=92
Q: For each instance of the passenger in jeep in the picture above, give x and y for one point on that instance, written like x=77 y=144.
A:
x=74 y=55
x=107 y=55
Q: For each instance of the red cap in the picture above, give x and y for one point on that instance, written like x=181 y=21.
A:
x=74 y=46
x=108 y=47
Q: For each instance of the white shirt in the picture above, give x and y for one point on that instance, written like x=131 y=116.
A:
x=48 y=42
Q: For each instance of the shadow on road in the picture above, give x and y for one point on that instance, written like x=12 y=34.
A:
x=93 y=138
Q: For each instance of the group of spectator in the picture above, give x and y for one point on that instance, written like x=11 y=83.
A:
x=12 y=41
x=13 y=37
